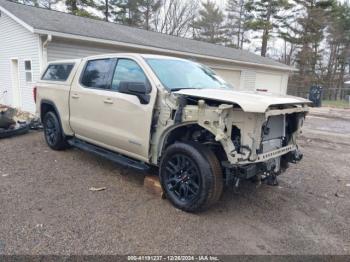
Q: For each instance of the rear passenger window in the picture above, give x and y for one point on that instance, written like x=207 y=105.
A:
x=58 y=72
x=96 y=74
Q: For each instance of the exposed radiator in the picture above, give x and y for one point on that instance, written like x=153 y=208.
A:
x=273 y=133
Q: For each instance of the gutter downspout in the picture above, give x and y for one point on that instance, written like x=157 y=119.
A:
x=49 y=39
x=45 y=45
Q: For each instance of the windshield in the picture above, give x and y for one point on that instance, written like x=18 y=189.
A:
x=181 y=74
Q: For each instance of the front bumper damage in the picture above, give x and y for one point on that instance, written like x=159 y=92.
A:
x=268 y=170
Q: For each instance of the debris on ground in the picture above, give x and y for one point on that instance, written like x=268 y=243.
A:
x=16 y=122
x=95 y=189
x=14 y=115
x=339 y=195
x=152 y=185
x=7 y=115
x=348 y=185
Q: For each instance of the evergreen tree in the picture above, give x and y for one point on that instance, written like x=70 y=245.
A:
x=106 y=7
x=236 y=22
x=312 y=34
x=210 y=24
x=78 y=7
x=128 y=12
x=313 y=26
x=149 y=9
x=267 y=18
x=338 y=45
x=307 y=33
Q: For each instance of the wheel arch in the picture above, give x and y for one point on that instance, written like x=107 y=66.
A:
x=48 y=106
x=173 y=134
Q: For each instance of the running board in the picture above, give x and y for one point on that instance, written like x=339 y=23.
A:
x=110 y=155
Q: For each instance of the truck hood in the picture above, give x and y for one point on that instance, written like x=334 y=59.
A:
x=249 y=101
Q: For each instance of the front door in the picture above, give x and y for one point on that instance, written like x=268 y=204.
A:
x=16 y=91
x=103 y=116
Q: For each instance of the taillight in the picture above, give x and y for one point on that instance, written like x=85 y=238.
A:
x=34 y=94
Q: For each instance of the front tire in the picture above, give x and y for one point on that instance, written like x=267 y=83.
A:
x=191 y=176
x=54 y=135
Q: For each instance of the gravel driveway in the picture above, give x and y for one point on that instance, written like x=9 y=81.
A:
x=46 y=206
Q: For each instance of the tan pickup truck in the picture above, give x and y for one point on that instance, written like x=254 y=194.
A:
x=174 y=114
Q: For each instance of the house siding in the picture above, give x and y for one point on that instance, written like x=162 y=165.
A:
x=17 y=42
x=59 y=50
x=274 y=82
x=250 y=78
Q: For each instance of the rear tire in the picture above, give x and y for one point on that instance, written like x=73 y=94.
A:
x=53 y=132
x=191 y=176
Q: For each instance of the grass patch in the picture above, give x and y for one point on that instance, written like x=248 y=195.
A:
x=336 y=103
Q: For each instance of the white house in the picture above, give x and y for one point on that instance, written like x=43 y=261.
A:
x=30 y=37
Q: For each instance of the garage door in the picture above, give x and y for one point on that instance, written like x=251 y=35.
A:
x=231 y=76
x=270 y=82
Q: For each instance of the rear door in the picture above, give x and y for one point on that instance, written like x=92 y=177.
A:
x=103 y=116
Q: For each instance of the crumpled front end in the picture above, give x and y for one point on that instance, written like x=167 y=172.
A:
x=255 y=144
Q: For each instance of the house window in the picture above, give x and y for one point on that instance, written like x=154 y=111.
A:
x=28 y=70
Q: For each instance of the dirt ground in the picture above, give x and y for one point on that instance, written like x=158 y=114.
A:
x=46 y=206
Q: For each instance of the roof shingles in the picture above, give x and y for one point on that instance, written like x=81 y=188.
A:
x=43 y=19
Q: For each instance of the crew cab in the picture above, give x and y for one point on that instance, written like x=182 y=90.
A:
x=174 y=114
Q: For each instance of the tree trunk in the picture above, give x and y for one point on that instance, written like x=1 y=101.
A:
x=341 y=81
x=239 y=33
x=147 y=18
x=266 y=32
x=242 y=40
x=106 y=10
x=264 y=42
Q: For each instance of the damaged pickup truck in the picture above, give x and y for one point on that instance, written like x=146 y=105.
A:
x=174 y=114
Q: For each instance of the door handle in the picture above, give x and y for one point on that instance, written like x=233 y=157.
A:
x=75 y=96
x=108 y=101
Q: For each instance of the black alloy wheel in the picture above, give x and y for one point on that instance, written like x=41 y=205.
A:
x=191 y=176
x=182 y=178
x=53 y=132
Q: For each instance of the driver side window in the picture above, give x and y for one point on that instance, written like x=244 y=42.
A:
x=127 y=70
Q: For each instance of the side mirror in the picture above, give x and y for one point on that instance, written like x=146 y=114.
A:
x=139 y=89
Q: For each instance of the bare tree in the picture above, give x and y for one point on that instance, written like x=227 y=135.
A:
x=175 y=17
x=48 y=4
